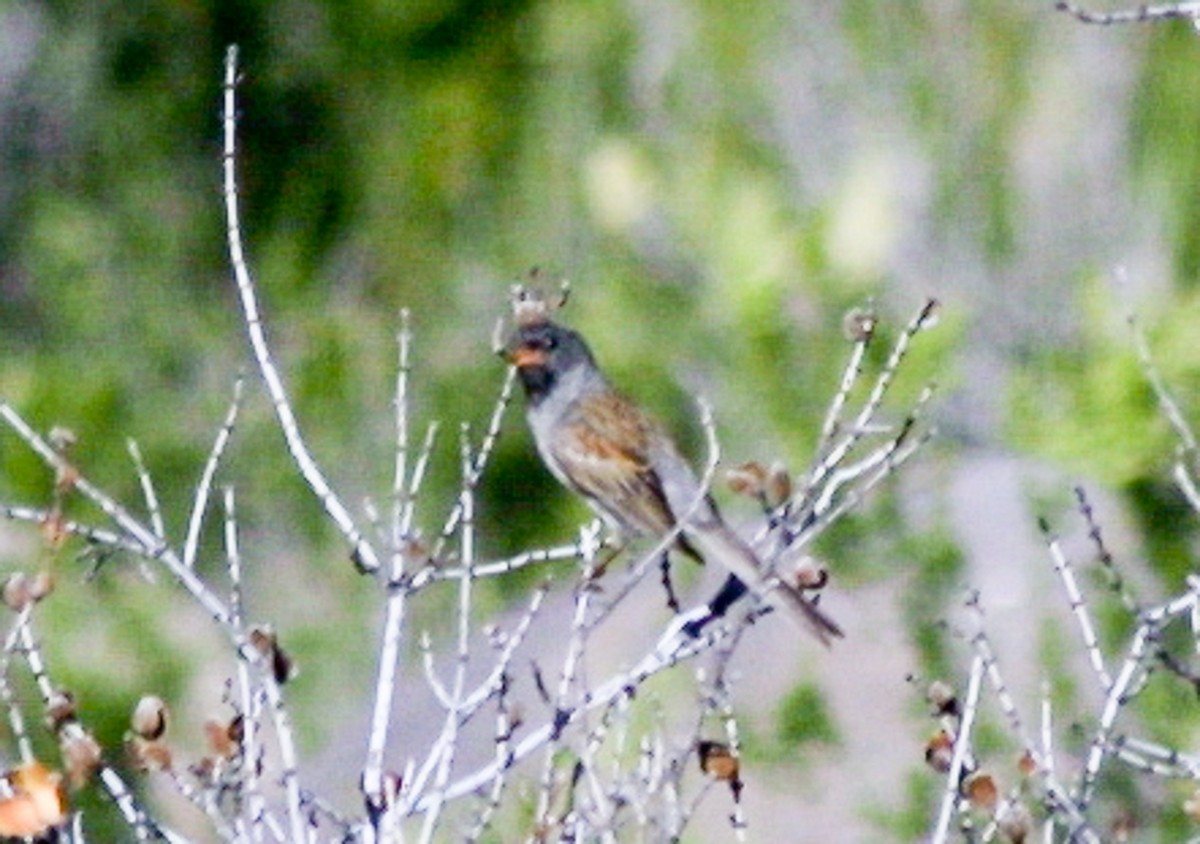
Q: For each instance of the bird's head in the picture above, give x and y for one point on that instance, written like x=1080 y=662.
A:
x=545 y=352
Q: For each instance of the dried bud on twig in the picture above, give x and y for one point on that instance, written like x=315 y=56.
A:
x=778 y=487
x=942 y=697
x=41 y=585
x=63 y=440
x=808 y=574
x=718 y=761
x=749 y=479
x=1014 y=822
x=1123 y=826
x=1191 y=807
x=981 y=790
x=149 y=755
x=859 y=324
x=771 y=486
x=16 y=592
x=54 y=527
x=60 y=709
x=939 y=751
x=149 y=719
x=263 y=640
x=21 y=590
x=38 y=802
x=82 y=756
x=224 y=739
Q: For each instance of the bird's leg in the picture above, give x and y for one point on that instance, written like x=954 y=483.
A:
x=596 y=571
x=731 y=590
x=664 y=566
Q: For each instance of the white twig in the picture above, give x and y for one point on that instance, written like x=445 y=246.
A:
x=148 y=492
x=363 y=553
x=249 y=696
x=962 y=750
x=862 y=423
x=449 y=742
x=145 y=541
x=490 y=437
x=200 y=499
x=1167 y=11
x=850 y=375
x=1065 y=572
x=403 y=505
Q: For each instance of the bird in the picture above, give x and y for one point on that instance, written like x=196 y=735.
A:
x=601 y=445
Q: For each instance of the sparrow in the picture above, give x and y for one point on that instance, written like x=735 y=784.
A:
x=602 y=446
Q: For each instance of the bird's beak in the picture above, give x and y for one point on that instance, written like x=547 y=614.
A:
x=523 y=356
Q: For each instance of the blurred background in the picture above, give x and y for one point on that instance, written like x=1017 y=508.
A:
x=720 y=182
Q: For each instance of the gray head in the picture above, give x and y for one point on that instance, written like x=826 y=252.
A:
x=544 y=352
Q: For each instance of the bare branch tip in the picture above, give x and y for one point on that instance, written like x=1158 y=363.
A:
x=530 y=305
x=859 y=324
x=929 y=313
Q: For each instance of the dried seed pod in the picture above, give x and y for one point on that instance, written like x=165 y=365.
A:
x=149 y=719
x=38 y=802
x=719 y=762
x=1123 y=826
x=777 y=488
x=149 y=755
x=224 y=739
x=942 y=697
x=82 y=756
x=1014 y=822
x=808 y=574
x=1191 y=807
x=981 y=790
x=62 y=439
x=749 y=479
x=16 y=592
x=263 y=640
x=41 y=585
x=859 y=324
x=939 y=751
x=53 y=527
x=60 y=709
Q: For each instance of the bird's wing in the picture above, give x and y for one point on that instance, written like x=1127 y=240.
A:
x=602 y=450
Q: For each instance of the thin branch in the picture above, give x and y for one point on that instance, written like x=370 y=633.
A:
x=1066 y=574
x=363 y=553
x=148 y=544
x=962 y=744
x=200 y=499
x=148 y=492
x=1187 y=11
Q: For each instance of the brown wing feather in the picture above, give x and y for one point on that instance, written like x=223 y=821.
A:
x=603 y=449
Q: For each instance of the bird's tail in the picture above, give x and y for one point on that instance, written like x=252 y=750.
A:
x=717 y=542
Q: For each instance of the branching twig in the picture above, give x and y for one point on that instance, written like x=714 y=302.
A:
x=1166 y=11
x=363 y=553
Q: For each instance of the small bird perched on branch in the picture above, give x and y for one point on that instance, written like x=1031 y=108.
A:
x=602 y=446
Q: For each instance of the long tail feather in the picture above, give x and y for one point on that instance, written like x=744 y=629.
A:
x=717 y=542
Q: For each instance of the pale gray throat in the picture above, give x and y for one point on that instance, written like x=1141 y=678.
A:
x=556 y=403
x=570 y=386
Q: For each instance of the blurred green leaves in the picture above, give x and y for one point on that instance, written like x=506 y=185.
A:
x=721 y=182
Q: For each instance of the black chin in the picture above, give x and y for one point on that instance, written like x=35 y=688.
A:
x=537 y=381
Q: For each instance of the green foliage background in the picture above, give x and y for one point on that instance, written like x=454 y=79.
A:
x=720 y=181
